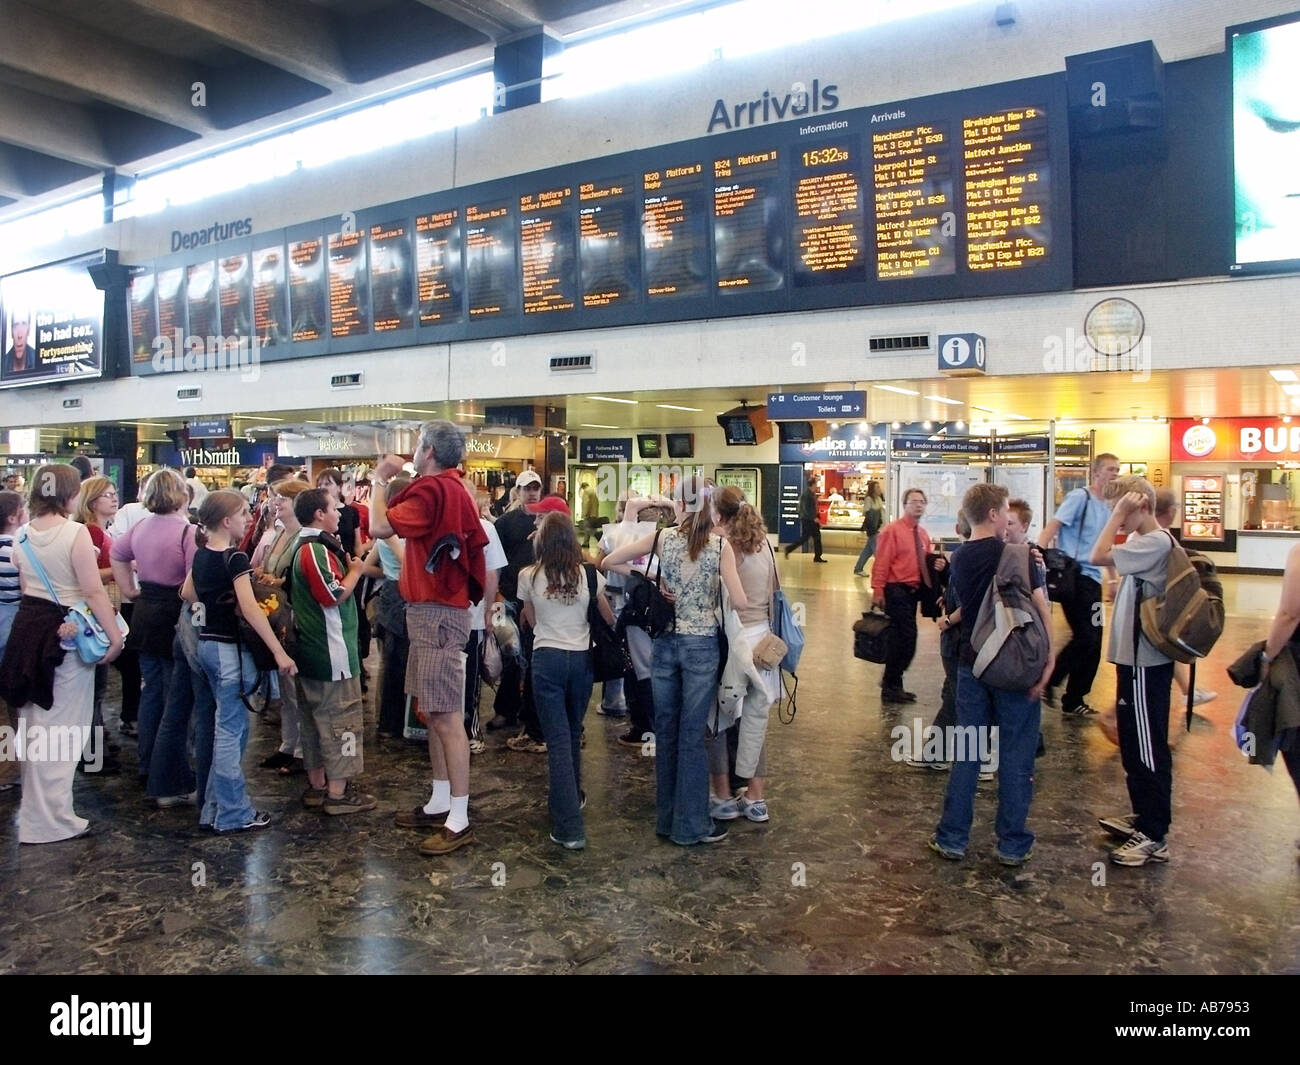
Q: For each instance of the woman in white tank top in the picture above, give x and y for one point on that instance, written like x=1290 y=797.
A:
x=55 y=707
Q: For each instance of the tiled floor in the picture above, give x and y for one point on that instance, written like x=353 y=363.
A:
x=839 y=880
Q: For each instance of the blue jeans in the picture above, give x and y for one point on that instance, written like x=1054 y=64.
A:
x=684 y=675
x=1018 y=718
x=156 y=672
x=169 y=760
x=867 y=552
x=562 y=687
x=226 y=804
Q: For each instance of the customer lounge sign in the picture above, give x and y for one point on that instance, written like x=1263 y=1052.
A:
x=1234 y=440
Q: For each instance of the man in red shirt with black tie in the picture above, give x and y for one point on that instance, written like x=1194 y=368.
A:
x=896 y=582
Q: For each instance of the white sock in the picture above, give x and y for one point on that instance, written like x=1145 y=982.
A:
x=458 y=819
x=440 y=801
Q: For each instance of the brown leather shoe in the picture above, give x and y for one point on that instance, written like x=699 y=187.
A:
x=444 y=842
x=314 y=798
x=417 y=818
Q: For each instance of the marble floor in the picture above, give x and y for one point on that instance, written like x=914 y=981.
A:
x=839 y=880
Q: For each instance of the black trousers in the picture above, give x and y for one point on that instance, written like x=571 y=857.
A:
x=1080 y=657
x=640 y=703
x=808 y=530
x=473 y=683
x=128 y=666
x=514 y=700
x=900 y=649
x=392 y=698
x=1142 y=715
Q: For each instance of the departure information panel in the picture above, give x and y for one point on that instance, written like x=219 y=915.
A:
x=608 y=242
x=269 y=294
x=235 y=288
x=144 y=318
x=201 y=299
x=307 y=288
x=914 y=220
x=749 y=236
x=439 y=270
x=1008 y=189
x=349 y=285
x=392 y=276
x=674 y=232
x=955 y=196
x=829 y=237
x=490 y=260
x=548 y=250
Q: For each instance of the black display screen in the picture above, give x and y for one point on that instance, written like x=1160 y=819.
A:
x=439 y=266
x=235 y=288
x=269 y=296
x=674 y=232
x=609 y=243
x=392 y=276
x=829 y=238
x=490 y=260
x=201 y=300
x=307 y=306
x=548 y=251
x=349 y=285
x=144 y=317
x=749 y=233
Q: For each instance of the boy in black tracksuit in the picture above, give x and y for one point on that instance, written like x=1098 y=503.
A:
x=1144 y=674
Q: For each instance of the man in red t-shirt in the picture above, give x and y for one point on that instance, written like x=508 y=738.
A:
x=443 y=574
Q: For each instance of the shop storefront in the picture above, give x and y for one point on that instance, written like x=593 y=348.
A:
x=1238 y=483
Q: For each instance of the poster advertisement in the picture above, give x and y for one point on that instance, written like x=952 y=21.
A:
x=51 y=324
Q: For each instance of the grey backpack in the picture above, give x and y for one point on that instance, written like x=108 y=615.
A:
x=1011 y=646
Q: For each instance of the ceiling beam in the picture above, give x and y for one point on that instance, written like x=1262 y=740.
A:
x=111 y=69
x=298 y=39
x=495 y=18
x=52 y=127
x=11 y=183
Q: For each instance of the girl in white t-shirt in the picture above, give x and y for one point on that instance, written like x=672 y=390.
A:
x=555 y=595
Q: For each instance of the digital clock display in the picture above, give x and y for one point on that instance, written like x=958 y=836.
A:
x=828 y=238
x=825 y=156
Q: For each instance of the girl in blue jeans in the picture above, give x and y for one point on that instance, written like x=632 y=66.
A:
x=220 y=583
x=685 y=668
x=556 y=597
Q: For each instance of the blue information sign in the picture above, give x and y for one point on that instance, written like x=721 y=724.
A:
x=208 y=428
x=815 y=406
x=605 y=449
x=962 y=353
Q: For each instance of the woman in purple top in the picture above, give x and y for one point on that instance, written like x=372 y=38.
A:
x=162 y=548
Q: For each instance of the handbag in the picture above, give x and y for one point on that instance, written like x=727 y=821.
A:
x=784 y=626
x=646 y=607
x=1063 y=570
x=92 y=642
x=493 y=664
x=769 y=651
x=609 y=654
x=274 y=605
x=871 y=636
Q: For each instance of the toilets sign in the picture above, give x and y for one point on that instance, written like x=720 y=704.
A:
x=815 y=406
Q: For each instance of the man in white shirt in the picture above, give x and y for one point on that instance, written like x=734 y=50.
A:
x=494 y=559
x=198 y=487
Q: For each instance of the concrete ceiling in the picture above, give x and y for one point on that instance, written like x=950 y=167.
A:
x=86 y=86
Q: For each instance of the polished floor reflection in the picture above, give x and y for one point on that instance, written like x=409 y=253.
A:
x=839 y=880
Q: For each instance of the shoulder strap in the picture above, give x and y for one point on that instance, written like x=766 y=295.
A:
x=591 y=590
x=29 y=553
x=659 y=573
x=776 y=575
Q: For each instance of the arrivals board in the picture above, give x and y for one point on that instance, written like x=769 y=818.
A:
x=143 y=315
x=960 y=195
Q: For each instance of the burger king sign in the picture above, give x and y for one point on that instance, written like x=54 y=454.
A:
x=1234 y=440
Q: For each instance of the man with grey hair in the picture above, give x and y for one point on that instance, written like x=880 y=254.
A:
x=444 y=573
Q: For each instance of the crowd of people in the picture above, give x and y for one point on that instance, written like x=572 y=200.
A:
x=227 y=602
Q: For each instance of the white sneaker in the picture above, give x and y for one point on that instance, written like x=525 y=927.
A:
x=723 y=809
x=1140 y=850
x=1202 y=696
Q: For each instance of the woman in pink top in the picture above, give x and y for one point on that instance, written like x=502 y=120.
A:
x=162 y=548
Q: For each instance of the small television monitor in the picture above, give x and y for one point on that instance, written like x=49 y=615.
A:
x=649 y=445
x=681 y=445
x=738 y=431
x=797 y=432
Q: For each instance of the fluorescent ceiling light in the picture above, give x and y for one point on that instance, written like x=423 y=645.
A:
x=945 y=399
x=405 y=410
x=589 y=425
x=469 y=414
x=900 y=391
x=259 y=418
x=1019 y=417
x=986 y=410
x=1283 y=375
x=614 y=399
x=673 y=406
x=1291 y=390
x=156 y=425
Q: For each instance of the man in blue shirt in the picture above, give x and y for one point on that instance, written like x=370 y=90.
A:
x=1075 y=528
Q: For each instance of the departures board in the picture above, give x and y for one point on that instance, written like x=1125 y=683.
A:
x=953 y=196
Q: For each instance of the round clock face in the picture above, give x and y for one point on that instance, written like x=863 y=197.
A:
x=1114 y=326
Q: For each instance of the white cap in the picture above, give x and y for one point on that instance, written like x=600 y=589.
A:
x=528 y=477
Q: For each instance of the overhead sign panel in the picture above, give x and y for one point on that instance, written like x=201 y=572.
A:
x=815 y=406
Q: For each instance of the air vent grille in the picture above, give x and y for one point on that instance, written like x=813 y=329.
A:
x=346 y=380
x=573 y=363
x=886 y=345
x=189 y=394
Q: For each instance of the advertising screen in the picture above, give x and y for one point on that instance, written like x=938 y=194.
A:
x=51 y=324
x=1265 y=146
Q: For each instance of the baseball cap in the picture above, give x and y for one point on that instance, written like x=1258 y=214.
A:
x=549 y=505
x=528 y=477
